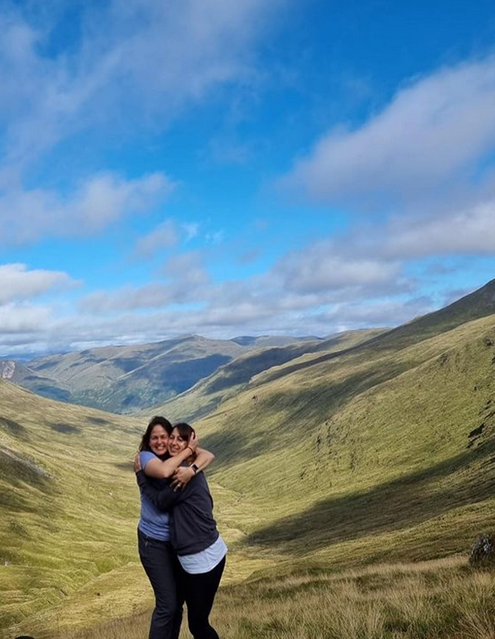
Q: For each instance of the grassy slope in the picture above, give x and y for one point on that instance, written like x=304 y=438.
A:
x=361 y=458
x=68 y=513
x=63 y=522
x=383 y=452
x=441 y=599
x=229 y=379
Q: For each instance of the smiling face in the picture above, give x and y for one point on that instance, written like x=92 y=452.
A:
x=159 y=440
x=176 y=443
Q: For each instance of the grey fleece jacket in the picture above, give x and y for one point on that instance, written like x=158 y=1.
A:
x=192 y=527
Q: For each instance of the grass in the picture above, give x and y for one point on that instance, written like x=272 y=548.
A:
x=444 y=599
x=334 y=472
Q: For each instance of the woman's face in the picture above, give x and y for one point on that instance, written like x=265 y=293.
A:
x=176 y=443
x=159 y=440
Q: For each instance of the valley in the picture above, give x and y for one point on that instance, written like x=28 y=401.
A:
x=337 y=464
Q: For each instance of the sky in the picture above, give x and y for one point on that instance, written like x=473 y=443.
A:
x=240 y=168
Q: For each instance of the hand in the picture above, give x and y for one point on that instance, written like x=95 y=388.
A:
x=193 y=442
x=137 y=463
x=182 y=476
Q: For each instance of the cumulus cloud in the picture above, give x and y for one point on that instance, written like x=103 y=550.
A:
x=432 y=134
x=18 y=283
x=164 y=236
x=469 y=231
x=186 y=282
x=324 y=266
x=24 y=319
x=26 y=216
x=353 y=315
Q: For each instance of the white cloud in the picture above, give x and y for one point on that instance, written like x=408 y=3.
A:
x=24 y=319
x=19 y=283
x=191 y=229
x=353 y=315
x=186 y=282
x=324 y=266
x=432 y=134
x=141 y=56
x=187 y=269
x=163 y=236
x=470 y=231
x=26 y=216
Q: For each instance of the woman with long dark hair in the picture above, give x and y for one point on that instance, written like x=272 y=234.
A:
x=193 y=534
x=158 y=558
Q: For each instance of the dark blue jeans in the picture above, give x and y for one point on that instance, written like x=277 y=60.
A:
x=161 y=565
x=198 y=591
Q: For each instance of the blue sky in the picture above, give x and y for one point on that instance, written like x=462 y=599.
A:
x=249 y=167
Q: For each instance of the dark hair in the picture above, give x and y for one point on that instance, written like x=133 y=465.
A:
x=157 y=420
x=185 y=431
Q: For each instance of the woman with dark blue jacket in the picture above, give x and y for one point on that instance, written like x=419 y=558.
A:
x=193 y=535
x=157 y=556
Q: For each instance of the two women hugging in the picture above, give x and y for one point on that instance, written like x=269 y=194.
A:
x=179 y=544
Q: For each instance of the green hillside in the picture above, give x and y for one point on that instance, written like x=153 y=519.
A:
x=68 y=503
x=375 y=451
x=229 y=379
x=385 y=456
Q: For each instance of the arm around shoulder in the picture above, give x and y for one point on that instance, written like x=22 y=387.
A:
x=203 y=458
x=163 y=499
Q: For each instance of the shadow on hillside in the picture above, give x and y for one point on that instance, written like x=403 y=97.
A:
x=126 y=466
x=13 y=428
x=241 y=371
x=17 y=471
x=402 y=503
x=320 y=400
x=293 y=368
x=98 y=421
x=231 y=447
x=307 y=406
x=66 y=429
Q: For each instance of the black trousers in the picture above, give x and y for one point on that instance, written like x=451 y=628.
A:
x=162 y=567
x=198 y=591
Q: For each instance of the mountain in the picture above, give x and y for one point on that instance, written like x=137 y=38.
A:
x=22 y=375
x=228 y=379
x=124 y=379
x=264 y=341
x=379 y=449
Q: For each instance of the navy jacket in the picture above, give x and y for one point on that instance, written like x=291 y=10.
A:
x=192 y=527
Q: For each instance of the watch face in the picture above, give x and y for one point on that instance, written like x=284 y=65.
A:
x=195 y=468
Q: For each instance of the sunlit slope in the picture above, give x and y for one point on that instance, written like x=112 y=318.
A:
x=68 y=502
x=125 y=378
x=229 y=379
x=388 y=451
x=476 y=305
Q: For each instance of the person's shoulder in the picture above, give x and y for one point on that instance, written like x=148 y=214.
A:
x=146 y=456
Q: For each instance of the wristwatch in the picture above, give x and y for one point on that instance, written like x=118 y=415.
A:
x=195 y=468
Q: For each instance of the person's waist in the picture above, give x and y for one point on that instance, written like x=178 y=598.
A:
x=146 y=537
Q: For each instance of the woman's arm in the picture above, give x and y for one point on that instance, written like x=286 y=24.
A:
x=163 y=499
x=184 y=474
x=164 y=469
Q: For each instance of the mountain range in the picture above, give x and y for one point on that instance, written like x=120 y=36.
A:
x=123 y=379
x=373 y=446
